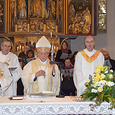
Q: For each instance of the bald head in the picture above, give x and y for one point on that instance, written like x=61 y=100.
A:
x=106 y=54
x=89 y=43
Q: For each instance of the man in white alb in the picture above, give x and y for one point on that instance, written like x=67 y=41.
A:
x=11 y=60
x=37 y=75
x=86 y=62
x=5 y=81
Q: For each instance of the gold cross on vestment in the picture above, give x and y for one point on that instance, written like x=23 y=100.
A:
x=6 y=63
x=1 y=72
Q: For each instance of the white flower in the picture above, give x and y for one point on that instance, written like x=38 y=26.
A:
x=102 y=75
x=106 y=71
x=97 y=83
x=111 y=70
x=110 y=83
x=94 y=91
x=100 y=83
x=103 y=82
x=110 y=76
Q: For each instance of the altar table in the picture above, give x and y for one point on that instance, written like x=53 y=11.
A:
x=67 y=105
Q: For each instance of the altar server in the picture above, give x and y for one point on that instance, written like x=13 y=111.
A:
x=5 y=81
x=86 y=62
x=11 y=60
x=39 y=75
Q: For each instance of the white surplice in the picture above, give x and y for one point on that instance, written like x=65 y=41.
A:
x=42 y=81
x=82 y=69
x=11 y=60
x=5 y=81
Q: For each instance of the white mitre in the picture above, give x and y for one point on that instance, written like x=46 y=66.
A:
x=43 y=45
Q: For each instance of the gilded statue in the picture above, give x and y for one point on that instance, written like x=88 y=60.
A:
x=72 y=11
x=87 y=18
x=51 y=9
x=22 y=9
x=87 y=15
x=36 y=7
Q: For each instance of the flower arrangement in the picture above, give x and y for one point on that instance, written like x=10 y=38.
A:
x=101 y=87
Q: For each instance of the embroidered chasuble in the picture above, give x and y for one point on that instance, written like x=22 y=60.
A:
x=35 y=68
x=43 y=83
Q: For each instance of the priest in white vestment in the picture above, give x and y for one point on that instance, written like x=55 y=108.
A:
x=86 y=62
x=11 y=60
x=39 y=75
x=5 y=81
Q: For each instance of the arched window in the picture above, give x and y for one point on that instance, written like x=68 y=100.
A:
x=102 y=14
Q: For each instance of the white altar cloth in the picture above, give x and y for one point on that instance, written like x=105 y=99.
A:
x=50 y=106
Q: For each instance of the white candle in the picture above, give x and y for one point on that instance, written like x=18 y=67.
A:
x=51 y=34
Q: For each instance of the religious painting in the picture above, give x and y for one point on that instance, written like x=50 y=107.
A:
x=21 y=8
x=43 y=8
x=1 y=16
x=31 y=15
x=80 y=17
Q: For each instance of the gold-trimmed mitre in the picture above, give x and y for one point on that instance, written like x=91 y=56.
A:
x=43 y=45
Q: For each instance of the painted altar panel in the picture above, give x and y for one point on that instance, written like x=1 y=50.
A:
x=80 y=17
x=66 y=17
x=2 y=13
x=31 y=15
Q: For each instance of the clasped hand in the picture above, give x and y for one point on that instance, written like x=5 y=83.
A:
x=43 y=73
x=40 y=73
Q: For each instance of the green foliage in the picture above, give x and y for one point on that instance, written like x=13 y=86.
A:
x=101 y=87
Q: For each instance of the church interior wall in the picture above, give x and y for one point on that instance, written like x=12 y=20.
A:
x=102 y=39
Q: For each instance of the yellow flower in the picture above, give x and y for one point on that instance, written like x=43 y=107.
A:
x=100 y=89
x=100 y=68
x=97 y=69
x=94 y=85
x=106 y=82
x=98 y=77
x=103 y=76
x=110 y=76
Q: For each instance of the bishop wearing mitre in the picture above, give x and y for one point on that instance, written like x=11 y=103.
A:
x=39 y=75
